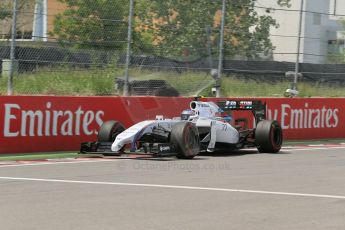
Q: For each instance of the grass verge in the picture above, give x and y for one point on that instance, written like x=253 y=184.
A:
x=96 y=81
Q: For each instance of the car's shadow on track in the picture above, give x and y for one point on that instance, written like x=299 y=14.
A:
x=206 y=155
x=238 y=153
x=170 y=159
x=200 y=157
x=229 y=154
x=281 y=152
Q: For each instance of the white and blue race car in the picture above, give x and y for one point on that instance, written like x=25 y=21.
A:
x=199 y=128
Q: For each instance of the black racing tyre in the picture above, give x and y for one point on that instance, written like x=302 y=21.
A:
x=268 y=136
x=185 y=136
x=109 y=130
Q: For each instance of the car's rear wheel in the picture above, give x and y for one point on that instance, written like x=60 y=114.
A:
x=109 y=131
x=185 y=137
x=268 y=136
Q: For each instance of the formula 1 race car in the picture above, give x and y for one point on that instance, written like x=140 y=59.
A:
x=199 y=128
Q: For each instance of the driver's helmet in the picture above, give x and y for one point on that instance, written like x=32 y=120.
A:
x=227 y=118
x=186 y=114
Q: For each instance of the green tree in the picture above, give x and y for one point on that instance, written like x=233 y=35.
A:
x=171 y=28
x=5 y=11
x=93 y=23
x=178 y=27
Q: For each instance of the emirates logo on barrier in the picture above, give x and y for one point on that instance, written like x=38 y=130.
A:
x=306 y=117
x=49 y=121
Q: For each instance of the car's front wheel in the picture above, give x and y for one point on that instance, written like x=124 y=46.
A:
x=109 y=131
x=185 y=137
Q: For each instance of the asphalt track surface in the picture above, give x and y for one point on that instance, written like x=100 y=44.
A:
x=299 y=188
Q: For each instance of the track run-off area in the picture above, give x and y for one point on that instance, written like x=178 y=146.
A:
x=302 y=187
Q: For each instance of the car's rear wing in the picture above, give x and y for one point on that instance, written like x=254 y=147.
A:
x=257 y=107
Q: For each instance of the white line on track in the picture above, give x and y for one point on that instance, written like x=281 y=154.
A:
x=175 y=187
x=312 y=149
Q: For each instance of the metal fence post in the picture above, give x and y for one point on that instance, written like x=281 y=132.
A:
x=129 y=41
x=209 y=47
x=13 y=47
x=221 y=50
x=294 y=85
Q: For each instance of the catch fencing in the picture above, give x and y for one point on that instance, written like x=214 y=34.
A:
x=171 y=48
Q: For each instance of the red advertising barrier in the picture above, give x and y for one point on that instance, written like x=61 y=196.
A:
x=313 y=118
x=50 y=123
